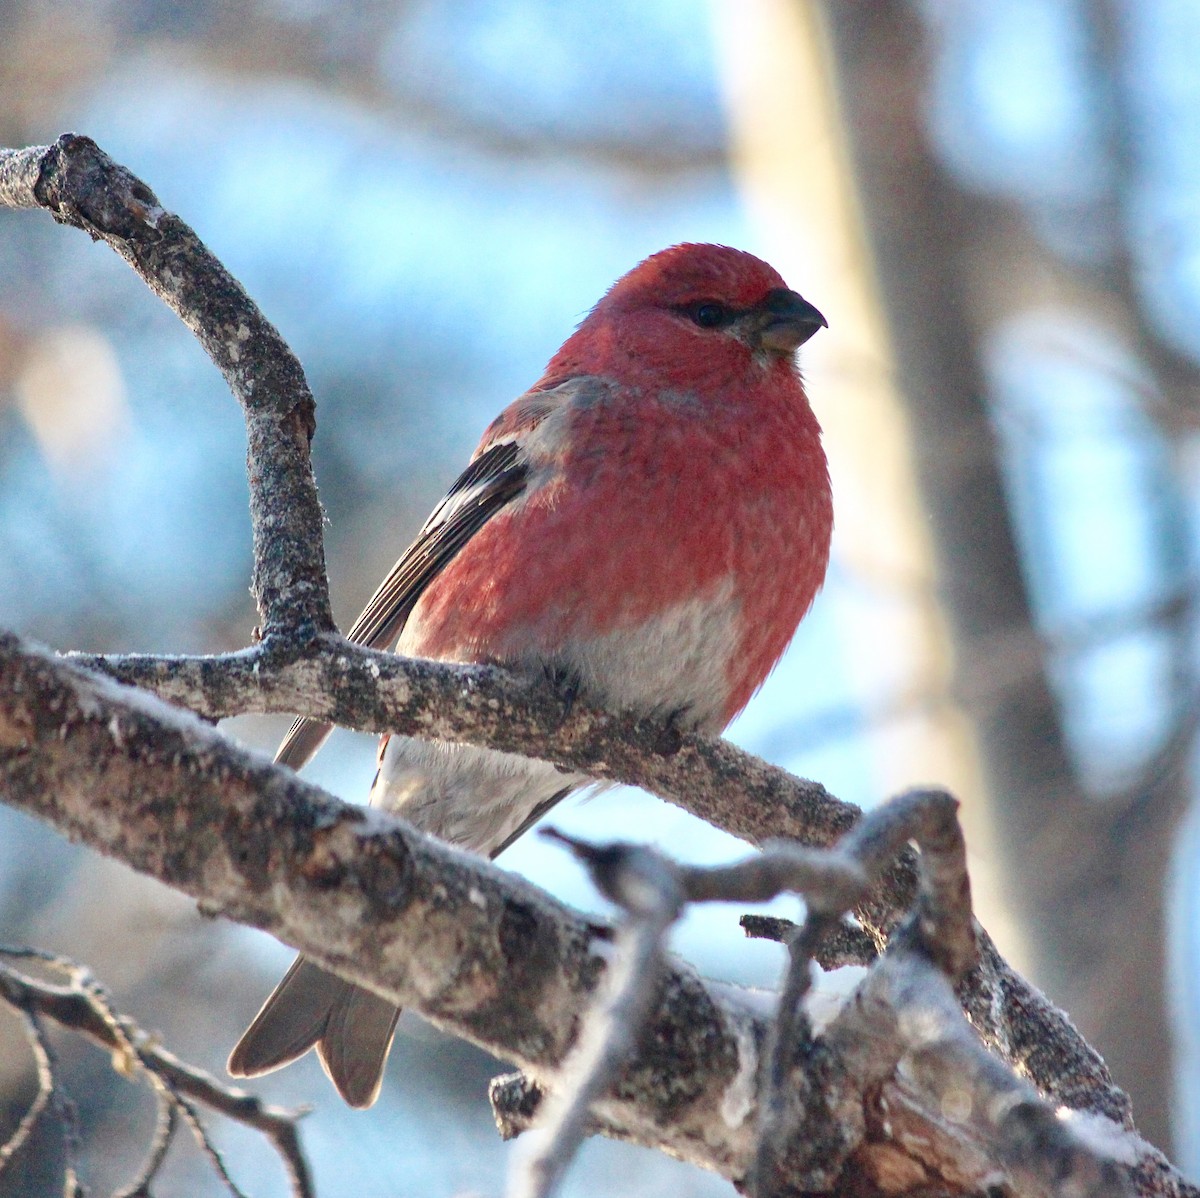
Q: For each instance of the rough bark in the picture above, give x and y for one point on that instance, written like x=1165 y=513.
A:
x=488 y=956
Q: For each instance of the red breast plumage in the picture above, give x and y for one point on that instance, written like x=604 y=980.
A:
x=689 y=467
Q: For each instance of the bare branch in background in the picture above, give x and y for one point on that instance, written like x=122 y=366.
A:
x=341 y=53
x=83 y=1006
x=1072 y=868
x=1174 y=398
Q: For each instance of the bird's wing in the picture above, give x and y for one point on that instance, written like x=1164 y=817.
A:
x=489 y=483
x=498 y=473
x=495 y=477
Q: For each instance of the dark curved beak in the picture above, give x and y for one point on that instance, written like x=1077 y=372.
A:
x=788 y=321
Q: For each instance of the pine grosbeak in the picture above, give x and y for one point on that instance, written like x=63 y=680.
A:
x=650 y=520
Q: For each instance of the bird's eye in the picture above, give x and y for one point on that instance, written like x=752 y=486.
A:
x=709 y=314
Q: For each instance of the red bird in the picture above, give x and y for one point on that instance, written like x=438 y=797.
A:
x=651 y=520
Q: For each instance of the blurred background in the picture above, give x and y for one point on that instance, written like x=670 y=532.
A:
x=996 y=207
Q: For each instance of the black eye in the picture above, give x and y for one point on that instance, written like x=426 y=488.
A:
x=709 y=314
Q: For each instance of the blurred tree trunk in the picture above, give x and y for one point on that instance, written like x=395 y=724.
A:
x=1086 y=876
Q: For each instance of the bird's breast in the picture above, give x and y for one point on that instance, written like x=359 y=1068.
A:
x=665 y=559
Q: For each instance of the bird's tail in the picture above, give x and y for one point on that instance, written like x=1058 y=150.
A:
x=351 y=1028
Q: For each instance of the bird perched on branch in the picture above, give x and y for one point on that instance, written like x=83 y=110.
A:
x=651 y=520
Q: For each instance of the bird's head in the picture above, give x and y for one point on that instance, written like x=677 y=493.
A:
x=690 y=313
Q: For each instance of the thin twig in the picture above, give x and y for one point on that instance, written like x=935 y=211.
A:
x=41 y=1100
x=80 y=185
x=786 y=1086
x=845 y=944
x=59 y=1101
x=164 y=1134
x=651 y=897
x=51 y=1094
x=83 y=1006
x=191 y=1117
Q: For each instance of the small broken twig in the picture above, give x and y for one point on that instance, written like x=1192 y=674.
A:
x=651 y=890
x=648 y=891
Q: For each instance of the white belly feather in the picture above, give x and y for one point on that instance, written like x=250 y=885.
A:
x=478 y=798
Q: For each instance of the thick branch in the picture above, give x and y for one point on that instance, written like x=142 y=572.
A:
x=902 y=1037
x=380 y=692
x=711 y=778
x=475 y=950
x=905 y=1040
x=78 y=184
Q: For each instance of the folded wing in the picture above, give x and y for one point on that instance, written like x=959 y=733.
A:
x=495 y=477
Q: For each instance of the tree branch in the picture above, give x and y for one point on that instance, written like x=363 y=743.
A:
x=477 y=951
x=79 y=185
x=648 y=890
x=380 y=692
x=710 y=778
x=906 y=1017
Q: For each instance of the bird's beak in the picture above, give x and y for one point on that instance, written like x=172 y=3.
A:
x=786 y=321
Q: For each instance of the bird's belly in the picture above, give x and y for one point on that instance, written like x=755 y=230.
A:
x=472 y=797
x=675 y=662
x=672 y=663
